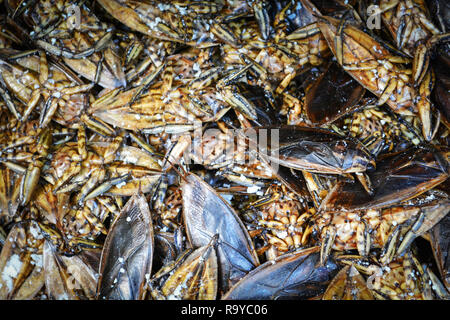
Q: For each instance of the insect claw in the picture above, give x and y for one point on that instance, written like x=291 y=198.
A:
x=14 y=167
x=339 y=43
x=262 y=17
x=98 y=70
x=224 y=33
x=98 y=126
x=105 y=186
x=364 y=179
x=327 y=244
x=421 y=62
x=411 y=234
x=50 y=108
x=35 y=97
x=429 y=216
x=8 y=100
x=392 y=84
x=304 y=32
x=407 y=33
x=363 y=239
x=437 y=285
x=424 y=105
x=389 y=248
x=29 y=183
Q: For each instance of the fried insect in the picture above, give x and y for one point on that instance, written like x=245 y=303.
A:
x=201 y=205
x=161 y=105
x=180 y=22
x=50 y=87
x=410 y=25
x=333 y=85
x=316 y=150
x=294 y=275
x=70 y=228
x=398 y=177
x=439 y=242
x=378 y=130
x=21 y=263
x=348 y=284
x=194 y=276
x=281 y=220
x=67 y=278
x=403 y=279
x=365 y=230
x=70 y=29
x=441 y=63
x=379 y=71
x=126 y=261
x=102 y=168
x=224 y=149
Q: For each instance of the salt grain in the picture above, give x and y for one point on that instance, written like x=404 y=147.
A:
x=11 y=270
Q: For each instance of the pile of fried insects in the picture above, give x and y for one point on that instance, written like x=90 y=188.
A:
x=132 y=163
